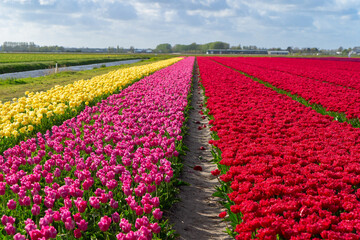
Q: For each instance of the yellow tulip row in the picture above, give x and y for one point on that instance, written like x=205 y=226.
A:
x=21 y=115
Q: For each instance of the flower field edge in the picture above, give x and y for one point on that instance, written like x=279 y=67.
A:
x=172 y=189
x=224 y=188
x=58 y=119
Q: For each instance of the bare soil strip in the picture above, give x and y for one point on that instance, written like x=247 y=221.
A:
x=196 y=215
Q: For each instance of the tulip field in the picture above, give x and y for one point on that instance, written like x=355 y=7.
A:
x=101 y=174
x=97 y=159
x=38 y=111
x=333 y=84
x=287 y=172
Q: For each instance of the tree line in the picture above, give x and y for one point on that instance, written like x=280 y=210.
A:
x=191 y=48
x=28 y=47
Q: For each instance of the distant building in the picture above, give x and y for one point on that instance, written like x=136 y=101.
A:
x=278 y=52
x=86 y=50
x=356 y=50
x=235 y=51
x=143 y=51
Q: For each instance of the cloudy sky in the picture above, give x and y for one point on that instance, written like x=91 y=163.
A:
x=325 y=24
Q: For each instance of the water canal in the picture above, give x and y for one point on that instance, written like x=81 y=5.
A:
x=43 y=72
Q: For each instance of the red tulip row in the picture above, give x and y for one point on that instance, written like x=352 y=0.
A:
x=337 y=72
x=340 y=59
x=292 y=173
x=331 y=94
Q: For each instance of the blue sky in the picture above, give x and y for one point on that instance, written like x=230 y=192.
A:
x=326 y=24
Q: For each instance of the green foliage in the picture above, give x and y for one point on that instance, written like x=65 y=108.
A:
x=12 y=81
x=200 y=48
x=219 y=45
x=163 y=48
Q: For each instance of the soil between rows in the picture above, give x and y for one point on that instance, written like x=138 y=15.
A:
x=196 y=215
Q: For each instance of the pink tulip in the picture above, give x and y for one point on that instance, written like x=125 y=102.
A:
x=77 y=233
x=82 y=206
x=48 y=232
x=35 y=210
x=115 y=217
x=125 y=225
x=157 y=214
x=36 y=234
x=56 y=216
x=155 y=228
x=114 y=204
x=104 y=223
x=11 y=204
x=10 y=229
x=82 y=225
x=37 y=199
x=94 y=202
x=69 y=223
x=19 y=236
x=25 y=201
x=2 y=188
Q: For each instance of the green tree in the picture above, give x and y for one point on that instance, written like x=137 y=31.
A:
x=236 y=47
x=179 y=48
x=164 y=48
x=219 y=45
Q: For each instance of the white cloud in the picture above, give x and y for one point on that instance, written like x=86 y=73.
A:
x=347 y=3
x=47 y=2
x=212 y=14
x=204 y=2
x=171 y=16
x=146 y=23
x=17 y=1
x=147 y=10
x=266 y=6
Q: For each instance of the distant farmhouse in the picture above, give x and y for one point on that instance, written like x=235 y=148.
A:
x=278 y=52
x=356 y=50
x=235 y=51
x=143 y=50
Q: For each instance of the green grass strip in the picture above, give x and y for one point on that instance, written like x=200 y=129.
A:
x=28 y=66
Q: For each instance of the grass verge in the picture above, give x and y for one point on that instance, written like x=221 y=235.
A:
x=27 y=66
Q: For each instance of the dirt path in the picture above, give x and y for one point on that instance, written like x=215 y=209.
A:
x=196 y=216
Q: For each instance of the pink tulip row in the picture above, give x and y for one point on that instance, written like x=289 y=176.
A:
x=334 y=97
x=291 y=173
x=99 y=173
